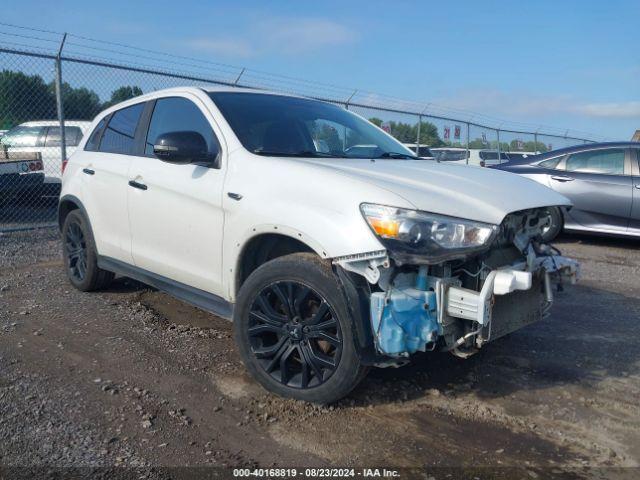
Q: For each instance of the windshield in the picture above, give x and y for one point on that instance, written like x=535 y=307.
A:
x=289 y=126
x=449 y=155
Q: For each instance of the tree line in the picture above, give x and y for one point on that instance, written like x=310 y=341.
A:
x=28 y=97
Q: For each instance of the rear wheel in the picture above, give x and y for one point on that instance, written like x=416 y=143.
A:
x=556 y=223
x=293 y=330
x=80 y=254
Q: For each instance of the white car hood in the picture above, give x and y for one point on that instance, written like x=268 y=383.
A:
x=474 y=193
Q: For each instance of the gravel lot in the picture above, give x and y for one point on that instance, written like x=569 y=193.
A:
x=131 y=377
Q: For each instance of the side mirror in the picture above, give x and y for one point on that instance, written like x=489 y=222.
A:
x=183 y=148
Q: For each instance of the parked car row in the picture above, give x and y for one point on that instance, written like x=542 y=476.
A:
x=600 y=179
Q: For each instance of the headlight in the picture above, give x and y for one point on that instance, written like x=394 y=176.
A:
x=412 y=236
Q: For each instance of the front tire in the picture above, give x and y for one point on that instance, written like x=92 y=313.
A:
x=80 y=254
x=293 y=329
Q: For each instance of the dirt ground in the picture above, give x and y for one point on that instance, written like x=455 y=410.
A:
x=131 y=377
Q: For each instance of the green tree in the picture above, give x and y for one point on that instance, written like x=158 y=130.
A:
x=23 y=98
x=123 y=93
x=79 y=103
x=429 y=135
x=408 y=133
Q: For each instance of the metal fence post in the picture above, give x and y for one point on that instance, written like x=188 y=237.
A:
x=418 y=136
x=498 y=134
x=468 y=127
x=59 y=105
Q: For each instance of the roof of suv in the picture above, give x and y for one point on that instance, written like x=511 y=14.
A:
x=194 y=90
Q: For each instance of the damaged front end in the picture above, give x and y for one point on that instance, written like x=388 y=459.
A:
x=460 y=287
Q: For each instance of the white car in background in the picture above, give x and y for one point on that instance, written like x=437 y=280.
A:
x=43 y=137
x=423 y=151
x=450 y=154
x=476 y=157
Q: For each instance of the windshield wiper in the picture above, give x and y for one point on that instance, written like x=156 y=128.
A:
x=304 y=153
x=397 y=155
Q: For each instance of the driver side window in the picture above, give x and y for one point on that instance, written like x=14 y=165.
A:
x=179 y=114
x=604 y=162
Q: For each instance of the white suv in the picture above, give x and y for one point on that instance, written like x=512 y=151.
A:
x=328 y=261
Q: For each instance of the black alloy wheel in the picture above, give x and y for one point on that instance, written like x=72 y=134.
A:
x=75 y=245
x=80 y=254
x=294 y=334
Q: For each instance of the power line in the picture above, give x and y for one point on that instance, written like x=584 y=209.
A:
x=276 y=80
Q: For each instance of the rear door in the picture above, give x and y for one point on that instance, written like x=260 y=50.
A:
x=175 y=211
x=106 y=161
x=634 y=221
x=599 y=183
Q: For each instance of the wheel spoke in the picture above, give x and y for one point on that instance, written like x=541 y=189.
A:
x=303 y=293
x=308 y=359
x=265 y=318
x=276 y=357
x=326 y=325
x=320 y=313
x=335 y=341
x=270 y=351
x=305 y=375
x=285 y=300
x=284 y=371
x=264 y=328
x=322 y=361
x=268 y=310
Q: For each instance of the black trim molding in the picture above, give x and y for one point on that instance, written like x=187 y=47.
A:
x=198 y=298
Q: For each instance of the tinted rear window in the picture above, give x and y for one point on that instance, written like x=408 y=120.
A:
x=94 y=139
x=119 y=137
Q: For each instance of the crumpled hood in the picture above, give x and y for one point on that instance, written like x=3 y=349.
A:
x=474 y=193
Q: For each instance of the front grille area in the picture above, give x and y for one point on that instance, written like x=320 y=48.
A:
x=515 y=310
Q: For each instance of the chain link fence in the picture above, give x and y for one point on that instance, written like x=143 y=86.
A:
x=43 y=90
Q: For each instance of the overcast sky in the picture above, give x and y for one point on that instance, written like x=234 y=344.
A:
x=568 y=64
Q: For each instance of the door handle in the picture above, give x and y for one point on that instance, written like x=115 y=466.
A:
x=235 y=196
x=560 y=178
x=88 y=171
x=138 y=185
x=638 y=186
